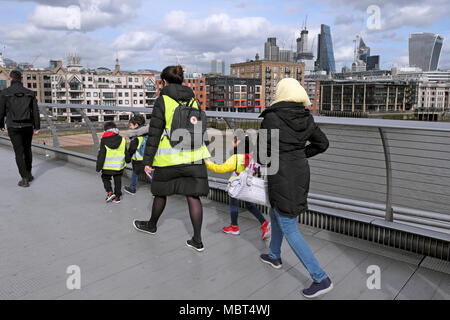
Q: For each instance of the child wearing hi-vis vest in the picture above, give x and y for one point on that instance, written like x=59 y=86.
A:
x=111 y=161
x=237 y=163
x=138 y=135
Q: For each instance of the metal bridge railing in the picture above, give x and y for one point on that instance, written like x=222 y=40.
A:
x=398 y=171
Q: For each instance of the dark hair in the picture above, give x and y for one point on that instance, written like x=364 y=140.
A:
x=109 y=125
x=244 y=147
x=16 y=75
x=137 y=119
x=173 y=74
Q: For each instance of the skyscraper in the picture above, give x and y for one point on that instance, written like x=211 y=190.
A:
x=325 y=53
x=2 y=63
x=425 y=50
x=363 y=51
x=218 y=67
x=271 y=50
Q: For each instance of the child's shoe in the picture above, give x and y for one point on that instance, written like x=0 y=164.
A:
x=110 y=196
x=116 y=200
x=265 y=230
x=231 y=230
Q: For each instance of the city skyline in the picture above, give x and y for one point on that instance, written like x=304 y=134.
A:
x=228 y=30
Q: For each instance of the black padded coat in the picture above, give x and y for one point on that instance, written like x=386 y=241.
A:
x=186 y=179
x=289 y=187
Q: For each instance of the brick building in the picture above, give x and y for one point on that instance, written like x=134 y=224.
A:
x=196 y=83
x=270 y=73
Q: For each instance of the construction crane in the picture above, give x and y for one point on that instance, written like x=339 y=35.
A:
x=34 y=60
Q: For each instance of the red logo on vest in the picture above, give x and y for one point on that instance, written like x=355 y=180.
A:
x=194 y=120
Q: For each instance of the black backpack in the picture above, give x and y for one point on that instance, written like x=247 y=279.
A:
x=19 y=106
x=188 y=127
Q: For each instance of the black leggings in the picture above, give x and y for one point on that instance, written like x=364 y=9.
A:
x=195 y=211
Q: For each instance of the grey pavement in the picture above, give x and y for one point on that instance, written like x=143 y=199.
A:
x=62 y=220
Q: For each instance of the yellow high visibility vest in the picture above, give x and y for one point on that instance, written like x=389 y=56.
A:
x=115 y=158
x=166 y=156
x=137 y=156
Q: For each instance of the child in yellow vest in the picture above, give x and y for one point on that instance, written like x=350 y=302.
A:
x=238 y=163
x=111 y=161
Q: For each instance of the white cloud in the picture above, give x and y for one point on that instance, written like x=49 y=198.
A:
x=93 y=14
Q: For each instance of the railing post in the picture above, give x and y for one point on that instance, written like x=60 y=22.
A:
x=52 y=126
x=91 y=127
x=387 y=157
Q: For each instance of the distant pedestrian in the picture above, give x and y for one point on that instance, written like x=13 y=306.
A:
x=237 y=163
x=288 y=189
x=181 y=172
x=111 y=161
x=135 y=153
x=19 y=106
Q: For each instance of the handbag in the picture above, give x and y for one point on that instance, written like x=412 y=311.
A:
x=247 y=187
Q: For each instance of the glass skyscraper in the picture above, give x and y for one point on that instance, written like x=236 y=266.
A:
x=325 y=53
x=425 y=50
x=218 y=67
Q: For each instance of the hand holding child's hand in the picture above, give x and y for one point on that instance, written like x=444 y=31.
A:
x=148 y=170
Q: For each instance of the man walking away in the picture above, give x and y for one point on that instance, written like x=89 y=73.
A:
x=19 y=106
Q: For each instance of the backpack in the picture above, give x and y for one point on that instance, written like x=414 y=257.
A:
x=141 y=150
x=20 y=106
x=192 y=123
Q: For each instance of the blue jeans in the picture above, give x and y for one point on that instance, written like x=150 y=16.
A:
x=135 y=178
x=288 y=227
x=234 y=211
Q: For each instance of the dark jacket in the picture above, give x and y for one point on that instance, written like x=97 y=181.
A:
x=288 y=189
x=111 y=140
x=138 y=166
x=186 y=179
x=17 y=87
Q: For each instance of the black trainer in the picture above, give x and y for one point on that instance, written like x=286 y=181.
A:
x=144 y=226
x=275 y=263
x=110 y=196
x=116 y=200
x=130 y=191
x=195 y=245
x=24 y=183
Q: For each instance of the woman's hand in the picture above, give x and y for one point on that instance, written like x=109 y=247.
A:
x=148 y=171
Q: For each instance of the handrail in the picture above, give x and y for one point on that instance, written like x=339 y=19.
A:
x=357 y=122
x=375 y=137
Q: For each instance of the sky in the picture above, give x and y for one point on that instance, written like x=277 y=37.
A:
x=154 y=34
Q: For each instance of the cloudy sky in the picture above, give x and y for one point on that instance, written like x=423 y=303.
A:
x=153 y=34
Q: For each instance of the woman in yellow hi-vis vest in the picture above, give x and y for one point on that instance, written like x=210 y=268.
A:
x=175 y=171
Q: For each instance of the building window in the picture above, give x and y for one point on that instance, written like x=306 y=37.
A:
x=127 y=101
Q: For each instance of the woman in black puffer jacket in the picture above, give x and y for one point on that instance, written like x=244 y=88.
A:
x=188 y=179
x=288 y=188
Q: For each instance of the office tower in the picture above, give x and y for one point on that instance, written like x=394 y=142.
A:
x=325 y=54
x=373 y=63
x=218 y=67
x=271 y=50
x=425 y=50
x=286 y=55
x=363 y=51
